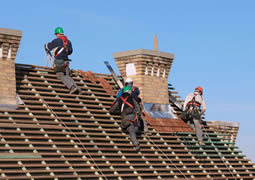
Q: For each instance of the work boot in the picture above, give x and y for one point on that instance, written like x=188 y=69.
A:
x=74 y=90
x=147 y=133
x=137 y=147
x=79 y=91
x=201 y=143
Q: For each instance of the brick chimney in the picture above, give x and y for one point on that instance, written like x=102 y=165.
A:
x=9 y=44
x=149 y=70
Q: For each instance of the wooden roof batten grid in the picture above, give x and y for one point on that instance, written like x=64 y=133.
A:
x=107 y=144
x=56 y=135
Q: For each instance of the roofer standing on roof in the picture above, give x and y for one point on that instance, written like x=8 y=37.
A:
x=135 y=94
x=194 y=106
x=61 y=47
x=129 y=109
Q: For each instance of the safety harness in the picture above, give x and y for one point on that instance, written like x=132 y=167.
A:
x=65 y=42
x=193 y=108
x=193 y=102
x=124 y=101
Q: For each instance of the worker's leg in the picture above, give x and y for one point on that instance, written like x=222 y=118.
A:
x=199 y=131
x=67 y=80
x=132 y=134
x=145 y=127
x=191 y=124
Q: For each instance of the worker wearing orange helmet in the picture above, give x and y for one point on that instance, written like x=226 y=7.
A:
x=194 y=105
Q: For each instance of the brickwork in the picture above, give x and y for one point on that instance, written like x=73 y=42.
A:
x=225 y=129
x=9 y=44
x=152 y=70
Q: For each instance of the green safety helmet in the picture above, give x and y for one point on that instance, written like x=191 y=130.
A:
x=127 y=89
x=59 y=30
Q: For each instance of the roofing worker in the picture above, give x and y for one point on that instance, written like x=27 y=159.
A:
x=129 y=109
x=61 y=47
x=135 y=94
x=135 y=90
x=194 y=106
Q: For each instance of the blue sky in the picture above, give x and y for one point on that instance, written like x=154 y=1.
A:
x=213 y=44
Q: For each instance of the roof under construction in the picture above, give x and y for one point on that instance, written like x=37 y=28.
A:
x=57 y=135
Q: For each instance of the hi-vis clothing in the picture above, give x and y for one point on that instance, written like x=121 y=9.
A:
x=199 y=101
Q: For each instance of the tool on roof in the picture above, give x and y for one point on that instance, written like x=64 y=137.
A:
x=175 y=101
x=115 y=77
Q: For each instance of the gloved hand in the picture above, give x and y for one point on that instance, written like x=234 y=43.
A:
x=47 y=50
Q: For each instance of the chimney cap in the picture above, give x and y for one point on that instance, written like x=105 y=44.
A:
x=10 y=32
x=144 y=52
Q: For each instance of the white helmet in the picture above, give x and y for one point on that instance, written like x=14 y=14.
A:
x=128 y=80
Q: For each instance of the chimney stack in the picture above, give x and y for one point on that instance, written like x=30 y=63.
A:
x=149 y=70
x=9 y=44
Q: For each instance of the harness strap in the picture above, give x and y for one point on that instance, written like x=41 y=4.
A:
x=134 y=119
x=64 y=47
x=124 y=101
x=194 y=103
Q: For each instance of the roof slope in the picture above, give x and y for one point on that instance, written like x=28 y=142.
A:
x=55 y=135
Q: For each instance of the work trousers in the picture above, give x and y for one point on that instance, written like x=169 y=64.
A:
x=197 y=127
x=63 y=73
x=132 y=130
x=67 y=80
x=145 y=126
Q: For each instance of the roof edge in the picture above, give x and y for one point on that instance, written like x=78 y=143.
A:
x=224 y=123
x=10 y=32
x=144 y=52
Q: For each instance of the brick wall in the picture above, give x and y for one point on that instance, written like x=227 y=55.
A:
x=152 y=70
x=9 y=44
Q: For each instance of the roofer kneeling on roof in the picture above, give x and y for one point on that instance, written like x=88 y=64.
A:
x=61 y=47
x=135 y=94
x=194 y=106
x=129 y=109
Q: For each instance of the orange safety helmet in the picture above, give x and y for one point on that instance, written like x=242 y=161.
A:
x=200 y=89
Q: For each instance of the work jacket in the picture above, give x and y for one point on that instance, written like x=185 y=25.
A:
x=57 y=44
x=128 y=107
x=199 y=101
x=135 y=93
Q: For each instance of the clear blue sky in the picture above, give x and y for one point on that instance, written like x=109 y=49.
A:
x=213 y=44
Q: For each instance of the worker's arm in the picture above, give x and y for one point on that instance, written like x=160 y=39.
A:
x=188 y=99
x=70 y=48
x=51 y=45
x=137 y=107
x=203 y=106
x=119 y=93
x=114 y=107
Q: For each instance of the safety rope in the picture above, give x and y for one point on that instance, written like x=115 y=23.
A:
x=219 y=153
x=166 y=156
x=201 y=159
x=95 y=164
x=48 y=59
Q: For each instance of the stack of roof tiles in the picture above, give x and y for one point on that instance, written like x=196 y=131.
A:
x=56 y=135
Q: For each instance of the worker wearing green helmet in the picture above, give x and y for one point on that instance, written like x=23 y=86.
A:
x=129 y=109
x=61 y=47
